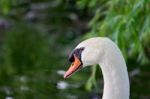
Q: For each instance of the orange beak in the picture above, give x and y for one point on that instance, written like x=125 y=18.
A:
x=74 y=67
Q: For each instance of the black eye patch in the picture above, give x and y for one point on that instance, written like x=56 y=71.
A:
x=76 y=52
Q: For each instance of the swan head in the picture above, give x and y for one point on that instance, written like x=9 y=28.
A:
x=87 y=53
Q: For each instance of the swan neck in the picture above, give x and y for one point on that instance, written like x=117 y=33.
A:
x=116 y=82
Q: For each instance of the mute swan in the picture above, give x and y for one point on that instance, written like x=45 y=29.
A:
x=102 y=51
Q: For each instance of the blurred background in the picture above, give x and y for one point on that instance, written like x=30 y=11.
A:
x=36 y=37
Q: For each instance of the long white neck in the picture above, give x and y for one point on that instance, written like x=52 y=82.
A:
x=116 y=81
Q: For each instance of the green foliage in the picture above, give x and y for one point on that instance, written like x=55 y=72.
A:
x=33 y=47
x=92 y=80
x=25 y=52
x=90 y=3
x=146 y=43
x=5 y=6
x=125 y=22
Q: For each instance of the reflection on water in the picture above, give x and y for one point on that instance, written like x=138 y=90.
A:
x=71 y=97
x=62 y=85
x=135 y=72
x=24 y=88
x=9 y=97
x=61 y=72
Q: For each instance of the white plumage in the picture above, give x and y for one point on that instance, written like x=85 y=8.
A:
x=103 y=51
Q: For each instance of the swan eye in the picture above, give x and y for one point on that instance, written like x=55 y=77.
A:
x=77 y=52
x=71 y=58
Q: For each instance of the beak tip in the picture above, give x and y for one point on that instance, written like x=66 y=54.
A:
x=65 y=76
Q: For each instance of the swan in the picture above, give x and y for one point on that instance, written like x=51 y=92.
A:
x=102 y=51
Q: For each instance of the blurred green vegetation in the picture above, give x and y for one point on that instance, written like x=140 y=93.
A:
x=36 y=37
